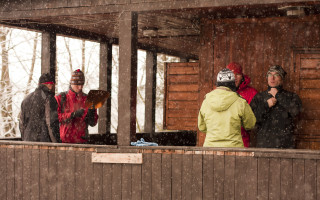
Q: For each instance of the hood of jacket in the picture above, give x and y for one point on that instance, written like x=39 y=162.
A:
x=221 y=98
x=246 y=81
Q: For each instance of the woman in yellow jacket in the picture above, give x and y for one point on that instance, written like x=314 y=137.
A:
x=223 y=112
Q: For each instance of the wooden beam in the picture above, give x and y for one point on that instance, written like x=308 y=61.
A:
x=127 y=94
x=150 y=93
x=167 y=51
x=11 y=11
x=105 y=77
x=48 y=53
x=60 y=30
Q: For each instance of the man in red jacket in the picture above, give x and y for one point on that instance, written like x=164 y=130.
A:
x=74 y=117
x=243 y=89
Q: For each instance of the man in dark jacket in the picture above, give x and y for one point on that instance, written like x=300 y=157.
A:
x=275 y=110
x=39 y=118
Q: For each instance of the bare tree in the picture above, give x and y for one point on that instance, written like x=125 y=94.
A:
x=33 y=61
x=5 y=86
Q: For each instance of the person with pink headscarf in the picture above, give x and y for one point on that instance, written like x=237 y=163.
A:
x=243 y=89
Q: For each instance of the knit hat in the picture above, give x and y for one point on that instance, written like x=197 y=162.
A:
x=278 y=69
x=226 y=78
x=47 y=78
x=235 y=68
x=77 y=78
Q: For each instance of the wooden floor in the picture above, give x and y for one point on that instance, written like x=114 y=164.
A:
x=63 y=171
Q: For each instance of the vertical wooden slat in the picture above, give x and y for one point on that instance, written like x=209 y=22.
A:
x=240 y=177
x=52 y=174
x=263 y=178
x=186 y=178
x=310 y=183
x=3 y=173
x=128 y=27
x=146 y=176
x=27 y=167
x=97 y=181
x=166 y=169
x=116 y=181
x=206 y=67
x=48 y=53
x=176 y=176
x=105 y=80
x=80 y=177
x=207 y=174
x=61 y=174
x=298 y=173
x=18 y=173
x=318 y=179
x=35 y=174
x=197 y=176
x=136 y=182
x=10 y=173
x=156 y=176
x=89 y=176
x=251 y=178
x=107 y=181
x=257 y=78
x=218 y=176
x=150 y=92
x=229 y=174
x=69 y=174
x=126 y=186
x=286 y=178
x=44 y=165
x=274 y=178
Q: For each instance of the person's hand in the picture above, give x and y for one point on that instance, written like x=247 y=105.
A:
x=271 y=102
x=77 y=113
x=273 y=92
x=90 y=113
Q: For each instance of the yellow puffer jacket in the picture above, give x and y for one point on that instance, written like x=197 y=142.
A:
x=221 y=116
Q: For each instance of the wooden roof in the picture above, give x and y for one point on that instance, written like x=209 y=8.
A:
x=176 y=24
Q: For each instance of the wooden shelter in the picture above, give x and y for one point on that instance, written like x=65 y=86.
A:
x=256 y=34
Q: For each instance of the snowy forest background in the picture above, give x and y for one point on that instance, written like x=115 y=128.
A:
x=20 y=66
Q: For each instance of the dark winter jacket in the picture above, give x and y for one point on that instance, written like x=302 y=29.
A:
x=74 y=129
x=275 y=125
x=247 y=93
x=35 y=123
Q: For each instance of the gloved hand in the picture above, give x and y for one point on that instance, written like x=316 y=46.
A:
x=90 y=116
x=77 y=113
x=90 y=113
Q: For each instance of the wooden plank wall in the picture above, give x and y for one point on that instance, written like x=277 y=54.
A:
x=181 y=96
x=51 y=172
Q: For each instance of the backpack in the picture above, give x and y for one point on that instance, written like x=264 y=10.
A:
x=63 y=100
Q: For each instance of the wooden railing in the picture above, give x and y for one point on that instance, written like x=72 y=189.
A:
x=66 y=171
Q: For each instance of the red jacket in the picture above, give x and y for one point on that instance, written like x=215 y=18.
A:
x=71 y=130
x=247 y=93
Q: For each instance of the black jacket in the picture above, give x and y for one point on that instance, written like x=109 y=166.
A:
x=275 y=125
x=33 y=125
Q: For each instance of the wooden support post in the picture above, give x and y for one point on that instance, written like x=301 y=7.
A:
x=48 y=53
x=105 y=80
x=127 y=94
x=150 y=98
x=206 y=68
